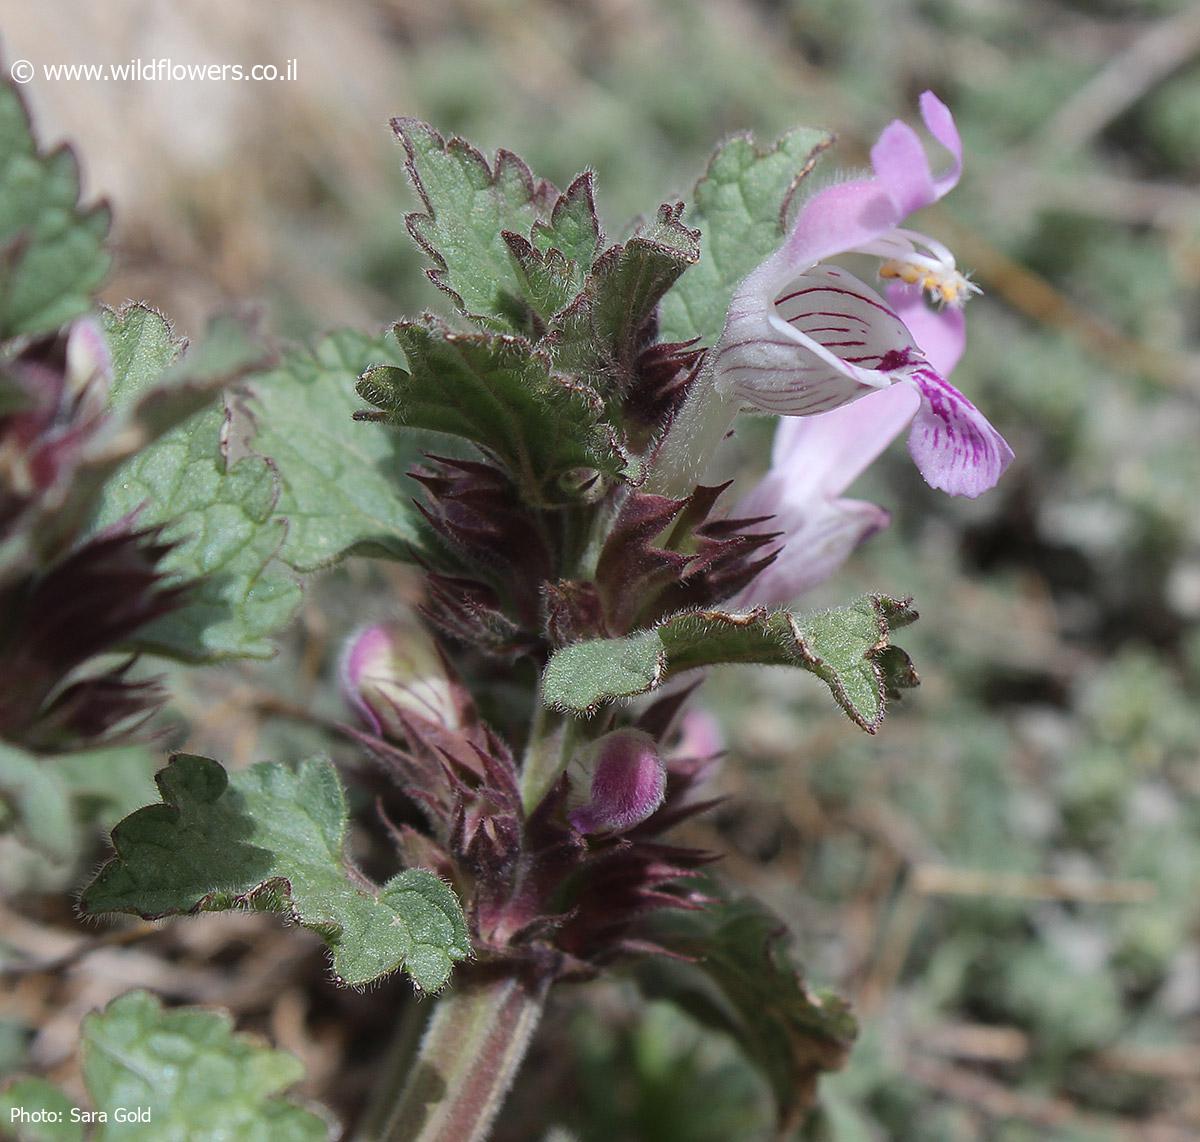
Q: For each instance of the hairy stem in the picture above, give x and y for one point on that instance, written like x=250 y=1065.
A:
x=550 y=744
x=472 y=1048
x=692 y=438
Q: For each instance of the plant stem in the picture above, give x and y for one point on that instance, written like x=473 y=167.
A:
x=692 y=438
x=469 y=1055
x=550 y=744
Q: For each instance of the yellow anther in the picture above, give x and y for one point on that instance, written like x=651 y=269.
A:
x=944 y=284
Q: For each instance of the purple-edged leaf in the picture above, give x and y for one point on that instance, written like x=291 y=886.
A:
x=573 y=228
x=554 y=259
x=602 y=333
x=504 y=396
x=469 y=203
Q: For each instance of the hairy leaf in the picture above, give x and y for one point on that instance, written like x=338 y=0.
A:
x=602 y=331
x=502 y=395
x=739 y=981
x=343 y=482
x=218 y=515
x=153 y=391
x=553 y=262
x=847 y=648
x=573 y=228
x=198 y=1077
x=143 y=347
x=739 y=205
x=272 y=838
x=52 y=254
x=468 y=206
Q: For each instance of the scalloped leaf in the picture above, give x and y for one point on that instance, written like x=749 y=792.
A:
x=52 y=255
x=219 y=516
x=573 y=228
x=600 y=333
x=468 y=206
x=847 y=648
x=343 y=481
x=734 y=975
x=554 y=261
x=273 y=838
x=198 y=1077
x=155 y=389
x=740 y=206
x=502 y=395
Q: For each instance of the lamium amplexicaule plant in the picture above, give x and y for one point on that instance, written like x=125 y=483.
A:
x=543 y=456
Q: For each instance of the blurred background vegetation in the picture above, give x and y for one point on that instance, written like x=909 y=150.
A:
x=1006 y=881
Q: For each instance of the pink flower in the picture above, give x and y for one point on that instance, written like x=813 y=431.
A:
x=814 y=460
x=628 y=783
x=393 y=672
x=804 y=337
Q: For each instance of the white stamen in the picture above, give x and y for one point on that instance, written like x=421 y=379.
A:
x=934 y=271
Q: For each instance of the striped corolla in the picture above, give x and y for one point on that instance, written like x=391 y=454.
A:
x=803 y=336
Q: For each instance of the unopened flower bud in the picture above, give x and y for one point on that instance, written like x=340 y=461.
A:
x=392 y=673
x=89 y=367
x=628 y=783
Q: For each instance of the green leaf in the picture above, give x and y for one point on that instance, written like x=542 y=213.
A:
x=583 y=676
x=150 y=363
x=143 y=346
x=273 y=838
x=30 y=1096
x=153 y=391
x=740 y=206
x=343 y=486
x=468 y=206
x=741 y=982
x=501 y=394
x=52 y=254
x=35 y=806
x=573 y=228
x=195 y=1076
x=601 y=332
x=49 y=803
x=219 y=515
x=847 y=648
x=552 y=264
